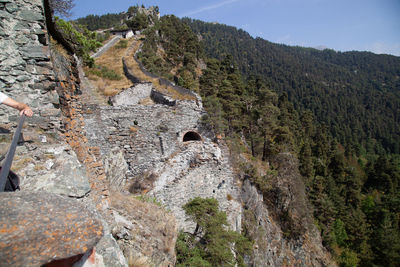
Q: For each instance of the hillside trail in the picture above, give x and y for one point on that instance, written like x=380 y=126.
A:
x=106 y=46
x=90 y=92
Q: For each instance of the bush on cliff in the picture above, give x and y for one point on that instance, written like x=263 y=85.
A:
x=211 y=243
x=82 y=40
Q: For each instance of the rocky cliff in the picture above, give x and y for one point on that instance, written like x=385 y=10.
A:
x=101 y=156
x=54 y=160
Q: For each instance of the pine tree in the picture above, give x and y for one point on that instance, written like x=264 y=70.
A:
x=211 y=244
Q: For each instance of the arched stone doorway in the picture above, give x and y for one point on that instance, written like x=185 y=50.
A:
x=191 y=136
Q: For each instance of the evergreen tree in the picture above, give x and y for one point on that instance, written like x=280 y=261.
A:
x=211 y=244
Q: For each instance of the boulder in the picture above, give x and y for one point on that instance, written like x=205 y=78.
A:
x=59 y=173
x=145 y=232
x=133 y=95
x=37 y=228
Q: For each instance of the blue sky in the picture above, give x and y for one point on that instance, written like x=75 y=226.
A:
x=343 y=25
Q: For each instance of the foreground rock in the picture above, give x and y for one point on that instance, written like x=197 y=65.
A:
x=144 y=231
x=38 y=228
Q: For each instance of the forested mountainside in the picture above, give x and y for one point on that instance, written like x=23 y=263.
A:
x=96 y=22
x=354 y=198
x=338 y=113
x=355 y=94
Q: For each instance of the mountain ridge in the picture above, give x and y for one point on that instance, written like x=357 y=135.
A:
x=309 y=76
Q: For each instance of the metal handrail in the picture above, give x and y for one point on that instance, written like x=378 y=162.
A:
x=5 y=169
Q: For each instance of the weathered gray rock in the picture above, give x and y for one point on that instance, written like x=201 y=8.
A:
x=133 y=95
x=21 y=22
x=11 y=7
x=144 y=231
x=160 y=98
x=5 y=14
x=34 y=52
x=116 y=169
x=30 y=15
x=199 y=169
x=37 y=228
x=111 y=252
x=3 y=33
x=272 y=247
x=61 y=173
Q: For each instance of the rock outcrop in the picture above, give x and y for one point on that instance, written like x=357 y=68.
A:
x=146 y=232
x=38 y=228
x=133 y=95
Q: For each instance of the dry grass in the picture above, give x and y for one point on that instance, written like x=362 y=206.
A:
x=112 y=59
x=138 y=262
x=20 y=163
x=146 y=101
x=133 y=130
x=110 y=92
x=134 y=67
x=59 y=48
x=261 y=166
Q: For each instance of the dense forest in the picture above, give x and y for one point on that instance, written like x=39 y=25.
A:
x=182 y=52
x=136 y=18
x=338 y=113
x=354 y=191
x=355 y=94
x=96 y=22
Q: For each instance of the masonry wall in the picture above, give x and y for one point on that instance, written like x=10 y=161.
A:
x=45 y=76
x=138 y=129
x=25 y=68
x=159 y=162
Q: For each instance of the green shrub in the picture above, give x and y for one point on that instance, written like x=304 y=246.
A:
x=148 y=199
x=82 y=40
x=122 y=44
x=138 y=22
x=211 y=242
x=348 y=258
x=104 y=72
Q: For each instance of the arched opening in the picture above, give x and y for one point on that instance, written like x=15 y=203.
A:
x=191 y=136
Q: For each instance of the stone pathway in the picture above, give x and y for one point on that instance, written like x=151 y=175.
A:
x=107 y=46
x=90 y=94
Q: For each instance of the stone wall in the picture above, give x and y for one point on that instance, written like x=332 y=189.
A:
x=137 y=129
x=25 y=67
x=159 y=162
x=44 y=75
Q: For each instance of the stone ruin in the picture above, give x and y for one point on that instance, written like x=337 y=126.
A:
x=155 y=141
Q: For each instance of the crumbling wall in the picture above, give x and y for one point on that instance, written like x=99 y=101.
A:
x=137 y=130
x=159 y=162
